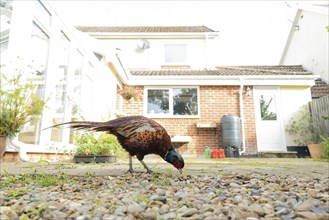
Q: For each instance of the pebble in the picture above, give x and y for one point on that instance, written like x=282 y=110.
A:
x=135 y=208
x=180 y=194
x=307 y=215
x=208 y=196
x=234 y=185
x=190 y=212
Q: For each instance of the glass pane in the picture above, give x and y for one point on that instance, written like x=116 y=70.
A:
x=185 y=101
x=5 y=15
x=4 y=53
x=268 y=107
x=158 y=101
x=61 y=88
x=42 y=14
x=175 y=53
x=76 y=99
x=39 y=54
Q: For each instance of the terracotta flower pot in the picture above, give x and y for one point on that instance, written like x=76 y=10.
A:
x=316 y=151
x=2 y=145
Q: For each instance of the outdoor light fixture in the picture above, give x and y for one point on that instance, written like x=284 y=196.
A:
x=248 y=91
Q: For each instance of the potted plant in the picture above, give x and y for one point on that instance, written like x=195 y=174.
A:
x=95 y=147
x=19 y=105
x=305 y=132
x=129 y=93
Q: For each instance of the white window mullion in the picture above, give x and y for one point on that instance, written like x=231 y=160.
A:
x=171 y=102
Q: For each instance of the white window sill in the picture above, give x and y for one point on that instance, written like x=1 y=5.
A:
x=181 y=139
x=170 y=116
x=52 y=147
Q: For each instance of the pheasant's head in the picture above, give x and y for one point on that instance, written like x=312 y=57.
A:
x=175 y=159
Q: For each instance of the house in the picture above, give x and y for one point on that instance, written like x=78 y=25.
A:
x=307 y=44
x=67 y=72
x=174 y=68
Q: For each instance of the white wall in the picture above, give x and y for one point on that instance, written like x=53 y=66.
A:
x=309 y=44
x=153 y=57
x=293 y=98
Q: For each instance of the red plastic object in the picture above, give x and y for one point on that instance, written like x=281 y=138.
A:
x=221 y=153
x=215 y=154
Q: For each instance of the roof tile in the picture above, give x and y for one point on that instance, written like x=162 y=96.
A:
x=320 y=89
x=144 y=29
x=226 y=71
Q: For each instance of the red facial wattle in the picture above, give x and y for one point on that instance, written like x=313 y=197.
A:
x=177 y=164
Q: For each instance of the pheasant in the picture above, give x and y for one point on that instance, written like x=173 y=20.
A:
x=139 y=136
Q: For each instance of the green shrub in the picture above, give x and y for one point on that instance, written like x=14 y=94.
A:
x=325 y=143
x=92 y=143
x=19 y=103
x=302 y=128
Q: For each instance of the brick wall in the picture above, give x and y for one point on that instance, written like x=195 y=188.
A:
x=215 y=101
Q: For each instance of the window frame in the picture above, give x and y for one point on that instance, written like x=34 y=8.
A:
x=171 y=102
x=39 y=15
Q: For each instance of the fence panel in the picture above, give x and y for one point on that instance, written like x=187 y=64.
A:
x=320 y=107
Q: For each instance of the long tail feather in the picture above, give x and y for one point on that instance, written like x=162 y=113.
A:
x=85 y=125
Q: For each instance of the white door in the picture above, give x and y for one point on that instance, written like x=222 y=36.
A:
x=269 y=125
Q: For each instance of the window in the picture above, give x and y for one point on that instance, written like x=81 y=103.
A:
x=42 y=14
x=185 y=101
x=39 y=56
x=61 y=87
x=5 y=15
x=158 y=101
x=172 y=102
x=268 y=107
x=176 y=53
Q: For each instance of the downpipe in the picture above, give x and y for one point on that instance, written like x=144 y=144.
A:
x=15 y=144
x=242 y=117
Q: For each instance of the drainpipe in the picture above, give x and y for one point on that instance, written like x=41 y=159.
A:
x=242 y=116
x=206 y=52
x=15 y=144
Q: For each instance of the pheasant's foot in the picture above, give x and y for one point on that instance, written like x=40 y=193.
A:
x=130 y=171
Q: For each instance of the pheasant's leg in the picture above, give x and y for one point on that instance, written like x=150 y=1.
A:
x=130 y=164
x=148 y=170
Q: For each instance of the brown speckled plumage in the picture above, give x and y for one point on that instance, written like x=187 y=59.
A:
x=137 y=134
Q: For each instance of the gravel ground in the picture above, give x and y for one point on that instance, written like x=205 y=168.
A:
x=208 y=189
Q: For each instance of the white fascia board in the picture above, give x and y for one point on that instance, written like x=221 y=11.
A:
x=227 y=80
x=291 y=33
x=313 y=8
x=123 y=73
x=111 y=35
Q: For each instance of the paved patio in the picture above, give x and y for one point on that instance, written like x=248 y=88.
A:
x=254 y=188
x=298 y=167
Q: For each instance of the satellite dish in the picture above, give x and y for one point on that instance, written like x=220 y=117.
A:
x=143 y=44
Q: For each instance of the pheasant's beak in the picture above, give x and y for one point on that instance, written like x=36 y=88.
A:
x=180 y=171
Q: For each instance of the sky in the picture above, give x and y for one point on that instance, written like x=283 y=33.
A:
x=250 y=32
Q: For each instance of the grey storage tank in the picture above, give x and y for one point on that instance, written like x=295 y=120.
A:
x=231 y=135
